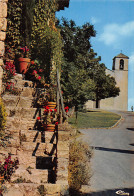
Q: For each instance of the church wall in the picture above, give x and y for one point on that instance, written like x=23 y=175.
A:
x=121 y=77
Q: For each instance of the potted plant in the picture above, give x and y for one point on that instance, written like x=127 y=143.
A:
x=49 y=119
x=50 y=99
x=23 y=60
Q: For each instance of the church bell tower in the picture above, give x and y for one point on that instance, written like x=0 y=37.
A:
x=120 y=69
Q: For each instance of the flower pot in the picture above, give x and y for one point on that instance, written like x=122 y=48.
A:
x=49 y=127
x=51 y=105
x=23 y=64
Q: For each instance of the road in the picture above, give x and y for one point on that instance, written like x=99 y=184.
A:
x=112 y=162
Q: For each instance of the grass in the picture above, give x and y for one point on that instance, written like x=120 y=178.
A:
x=94 y=119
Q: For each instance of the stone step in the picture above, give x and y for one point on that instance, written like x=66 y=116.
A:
x=17 y=101
x=39 y=149
x=24 y=113
x=30 y=175
x=14 y=123
x=39 y=136
x=19 y=81
x=31 y=189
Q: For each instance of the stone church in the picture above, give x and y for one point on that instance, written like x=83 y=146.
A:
x=120 y=73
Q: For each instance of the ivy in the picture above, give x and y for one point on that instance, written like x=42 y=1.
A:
x=46 y=42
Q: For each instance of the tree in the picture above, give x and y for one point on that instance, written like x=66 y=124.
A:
x=83 y=77
x=76 y=84
x=105 y=85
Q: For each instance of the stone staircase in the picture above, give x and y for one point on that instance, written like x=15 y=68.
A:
x=43 y=156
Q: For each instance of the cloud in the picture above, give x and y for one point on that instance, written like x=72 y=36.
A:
x=114 y=33
x=131 y=62
x=94 y=20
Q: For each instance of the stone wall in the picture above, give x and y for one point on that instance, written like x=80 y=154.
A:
x=3 y=25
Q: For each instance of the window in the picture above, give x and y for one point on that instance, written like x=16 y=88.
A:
x=121 y=64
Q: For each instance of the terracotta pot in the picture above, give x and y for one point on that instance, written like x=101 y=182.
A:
x=49 y=127
x=23 y=65
x=51 y=105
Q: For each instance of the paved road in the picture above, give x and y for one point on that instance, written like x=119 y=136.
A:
x=113 y=157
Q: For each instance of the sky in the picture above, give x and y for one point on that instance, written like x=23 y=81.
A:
x=113 y=21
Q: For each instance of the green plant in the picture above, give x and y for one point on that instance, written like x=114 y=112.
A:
x=46 y=42
x=20 y=180
x=23 y=138
x=2 y=117
x=42 y=190
x=79 y=165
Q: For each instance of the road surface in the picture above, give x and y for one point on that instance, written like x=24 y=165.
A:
x=113 y=157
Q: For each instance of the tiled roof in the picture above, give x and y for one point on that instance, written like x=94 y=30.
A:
x=121 y=56
x=63 y=4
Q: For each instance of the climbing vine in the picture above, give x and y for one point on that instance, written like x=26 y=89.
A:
x=46 y=42
x=14 y=20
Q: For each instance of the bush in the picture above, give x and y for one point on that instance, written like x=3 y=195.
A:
x=79 y=166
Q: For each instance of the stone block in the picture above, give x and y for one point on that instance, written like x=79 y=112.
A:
x=2 y=48
x=64 y=154
x=3 y=24
x=52 y=189
x=3 y=9
x=63 y=146
x=62 y=164
x=2 y=35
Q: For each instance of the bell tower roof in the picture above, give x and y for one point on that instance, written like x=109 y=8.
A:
x=121 y=55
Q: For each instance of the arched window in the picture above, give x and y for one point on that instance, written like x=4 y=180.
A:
x=121 y=64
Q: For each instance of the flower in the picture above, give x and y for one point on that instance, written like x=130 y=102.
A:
x=40 y=70
x=66 y=109
x=24 y=51
x=56 y=123
x=38 y=118
x=32 y=62
x=39 y=77
x=34 y=72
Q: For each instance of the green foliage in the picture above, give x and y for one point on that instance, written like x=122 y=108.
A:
x=2 y=117
x=14 y=21
x=79 y=167
x=76 y=83
x=105 y=85
x=83 y=77
x=42 y=190
x=46 y=40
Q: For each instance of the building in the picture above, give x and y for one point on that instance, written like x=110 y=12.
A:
x=120 y=73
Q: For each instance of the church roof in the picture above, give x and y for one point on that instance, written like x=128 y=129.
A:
x=121 y=56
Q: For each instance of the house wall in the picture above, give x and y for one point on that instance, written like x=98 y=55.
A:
x=3 y=26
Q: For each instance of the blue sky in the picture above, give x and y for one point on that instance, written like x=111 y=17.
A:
x=113 y=21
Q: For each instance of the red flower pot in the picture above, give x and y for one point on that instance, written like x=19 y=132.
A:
x=23 y=65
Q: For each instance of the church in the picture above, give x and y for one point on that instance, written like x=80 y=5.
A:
x=120 y=73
